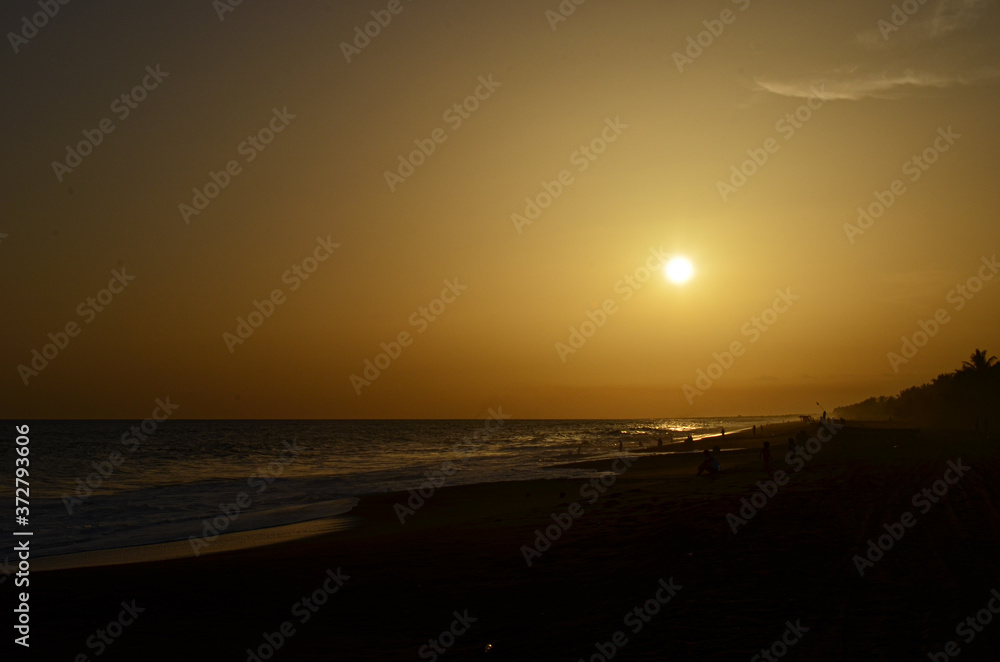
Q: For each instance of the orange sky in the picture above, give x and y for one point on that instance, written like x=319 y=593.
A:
x=626 y=133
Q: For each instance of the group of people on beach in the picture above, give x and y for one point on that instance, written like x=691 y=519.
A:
x=710 y=465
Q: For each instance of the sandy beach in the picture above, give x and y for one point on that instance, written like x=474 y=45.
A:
x=377 y=330
x=648 y=568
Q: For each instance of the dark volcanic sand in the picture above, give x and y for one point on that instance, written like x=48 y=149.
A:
x=462 y=552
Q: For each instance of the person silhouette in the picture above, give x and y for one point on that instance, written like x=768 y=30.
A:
x=709 y=464
x=765 y=453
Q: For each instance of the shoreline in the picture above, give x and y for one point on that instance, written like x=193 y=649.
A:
x=464 y=551
x=733 y=442
x=290 y=532
x=179 y=549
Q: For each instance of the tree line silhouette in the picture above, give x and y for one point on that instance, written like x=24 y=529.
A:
x=969 y=396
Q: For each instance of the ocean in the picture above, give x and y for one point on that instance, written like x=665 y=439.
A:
x=99 y=485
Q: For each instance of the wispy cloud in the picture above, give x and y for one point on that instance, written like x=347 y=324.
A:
x=952 y=15
x=928 y=23
x=849 y=84
x=908 y=53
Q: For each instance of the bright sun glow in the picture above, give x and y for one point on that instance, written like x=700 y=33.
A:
x=679 y=270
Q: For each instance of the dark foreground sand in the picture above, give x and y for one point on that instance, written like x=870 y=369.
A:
x=792 y=562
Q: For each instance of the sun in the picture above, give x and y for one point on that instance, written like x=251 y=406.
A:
x=679 y=270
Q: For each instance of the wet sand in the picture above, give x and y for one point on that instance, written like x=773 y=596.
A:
x=461 y=557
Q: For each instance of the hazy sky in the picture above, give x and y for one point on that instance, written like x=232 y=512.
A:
x=646 y=129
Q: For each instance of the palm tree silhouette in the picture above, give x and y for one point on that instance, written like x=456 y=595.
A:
x=979 y=363
x=979 y=385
